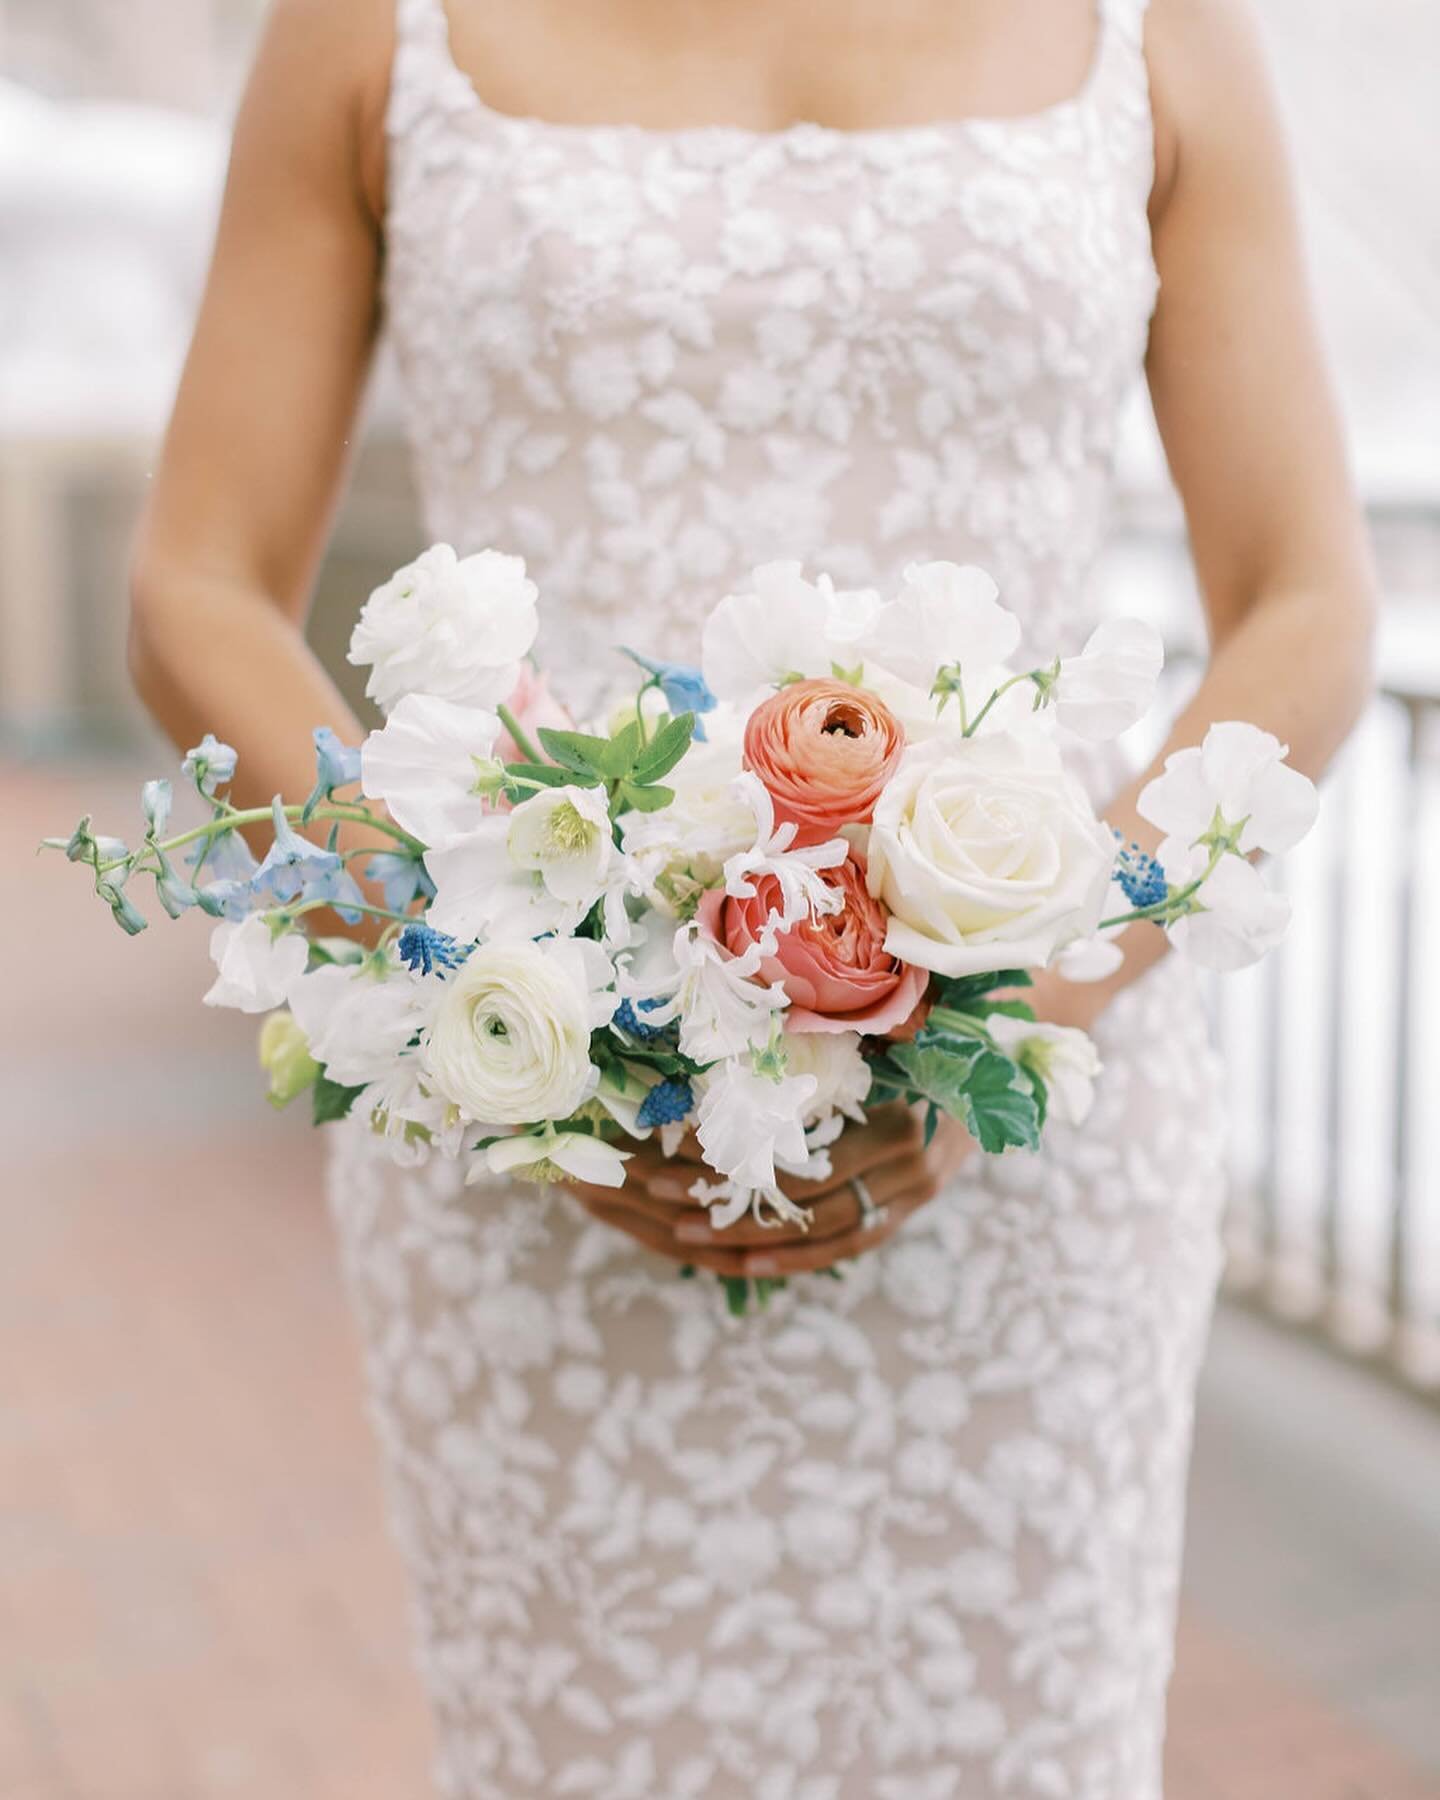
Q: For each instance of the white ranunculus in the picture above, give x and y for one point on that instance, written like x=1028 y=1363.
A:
x=456 y=628
x=842 y=1075
x=1243 y=918
x=426 y=763
x=1111 y=683
x=255 y=971
x=746 y=1121
x=357 y=1020
x=549 y=1155
x=782 y=627
x=1238 y=775
x=539 y=868
x=988 y=855
x=945 y=616
x=1065 y=1060
x=509 y=1043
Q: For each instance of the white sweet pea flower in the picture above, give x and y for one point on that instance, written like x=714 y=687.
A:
x=357 y=1019
x=1092 y=958
x=746 y=1122
x=988 y=854
x=803 y=893
x=537 y=869
x=554 y=1156
x=722 y=1010
x=1236 y=783
x=255 y=971
x=783 y=628
x=452 y=627
x=1242 y=920
x=433 y=765
x=1111 y=683
x=509 y=1043
x=842 y=1075
x=946 y=618
x=1064 y=1059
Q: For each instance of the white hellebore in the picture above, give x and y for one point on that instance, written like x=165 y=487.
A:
x=553 y=1155
x=945 y=617
x=746 y=1122
x=433 y=765
x=449 y=626
x=783 y=628
x=539 y=868
x=1111 y=683
x=509 y=1043
x=1063 y=1058
x=988 y=855
x=358 y=1019
x=256 y=970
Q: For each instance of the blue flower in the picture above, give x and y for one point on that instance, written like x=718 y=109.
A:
x=155 y=804
x=342 y=890
x=336 y=764
x=210 y=764
x=292 y=863
x=1141 y=878
x=667 y=1103
x=234 y=900
x=226 y=857
x=628 y=1019
x=428 y=951
x=685 y=689
x=401 y=876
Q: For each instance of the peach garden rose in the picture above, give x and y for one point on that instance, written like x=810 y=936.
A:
x=824 y=751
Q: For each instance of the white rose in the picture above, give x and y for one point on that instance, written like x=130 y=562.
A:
x=446 y=626
x=988 y=855
x=255 y=971
x=510 y=1040
x=1063 y=1058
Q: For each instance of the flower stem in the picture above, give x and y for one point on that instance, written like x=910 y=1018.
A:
x=1004 y=688
x=257 y=815
x=1169 y=904
x=518 y=733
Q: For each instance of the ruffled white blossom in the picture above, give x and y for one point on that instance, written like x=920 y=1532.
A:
x=358 y=1019
x=803 y=892
x=433 y=765
x=721 y=1009
x=746 y=1122
x=782 y=628
x=1242 y=918
x=1064 y=1059
x=256 y=971
x=945 y=617
x=1239 y=778
x=1111 y=683
x=842 y=1075
x=452 y=627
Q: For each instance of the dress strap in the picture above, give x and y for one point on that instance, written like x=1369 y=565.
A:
x=424 y=80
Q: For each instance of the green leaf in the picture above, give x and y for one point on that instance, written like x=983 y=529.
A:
x=576 y=751
x=332 y=1099
x=545 y=773
x=644 y=799
x=962 y=992
x=1012 y=1009
x=665 y=749
x=625 y=747
x=990 y=1095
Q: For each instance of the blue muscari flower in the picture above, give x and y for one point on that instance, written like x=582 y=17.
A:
x=685 y=689
x=210 y=764
x=667 y=1103
x=430 y=952
x=1140 y=876
x=627 y=1017
x=292 y=863
x=401 y=876
x=225 y=857
x=336 y=764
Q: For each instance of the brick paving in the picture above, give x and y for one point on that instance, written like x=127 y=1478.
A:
x=197 y=1600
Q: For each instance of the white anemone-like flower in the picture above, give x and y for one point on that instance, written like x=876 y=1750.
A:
x=447 y=626
x=1065 y=1060
x=255 y=972
x=552 y=1155
x=949 y=617
x=803 y=891
x=428 y=764
x=746 y=1122
x=722 y=1010
x=1239 y=777
x=1111 y=683
x=537 y=869
x=357 y=1019
x=782 y=628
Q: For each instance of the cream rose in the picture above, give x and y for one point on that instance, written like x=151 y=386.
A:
x=510 y=1041
x=988 y=855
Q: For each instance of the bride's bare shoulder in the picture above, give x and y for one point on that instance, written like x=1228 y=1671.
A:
x=1209 y=80
x=321 y=77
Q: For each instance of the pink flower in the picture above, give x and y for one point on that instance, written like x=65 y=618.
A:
x=824 y=751
x=834 y=967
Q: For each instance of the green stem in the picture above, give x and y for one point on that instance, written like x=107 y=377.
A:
x=640 y=706
x=375 y=912
x=257 y=815
x=1004 y=688
x=1171 y=901
x=518 y=733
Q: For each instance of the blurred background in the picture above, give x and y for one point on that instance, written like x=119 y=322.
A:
x=196 y=1596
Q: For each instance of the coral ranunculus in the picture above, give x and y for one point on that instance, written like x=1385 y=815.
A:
x=834 y=967
x=824 y=750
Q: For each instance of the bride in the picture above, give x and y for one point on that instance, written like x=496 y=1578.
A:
x=677 y=287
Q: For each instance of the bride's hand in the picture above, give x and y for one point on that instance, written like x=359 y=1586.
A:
x=888 y=1152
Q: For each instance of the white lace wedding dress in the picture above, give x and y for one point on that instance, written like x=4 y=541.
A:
x=913 y=1535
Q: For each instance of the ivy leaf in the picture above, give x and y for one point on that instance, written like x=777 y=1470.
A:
x=332 y=1099
x=991 y=1095
x=665 y=749
x=963 y=993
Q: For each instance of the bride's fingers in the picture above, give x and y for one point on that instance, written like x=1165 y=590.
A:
x=653 y=1237
x=830 y=1215
x=807 y=1258
x=890 y=1135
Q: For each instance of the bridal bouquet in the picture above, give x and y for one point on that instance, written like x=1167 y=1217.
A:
x=808 y=875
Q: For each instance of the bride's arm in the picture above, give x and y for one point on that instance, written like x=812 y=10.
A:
x=257 y=443
x=1250 y=429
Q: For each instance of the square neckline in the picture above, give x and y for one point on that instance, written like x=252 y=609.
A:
x=802 y=129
